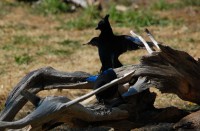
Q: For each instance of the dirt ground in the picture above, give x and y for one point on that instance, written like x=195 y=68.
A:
x=37 y=37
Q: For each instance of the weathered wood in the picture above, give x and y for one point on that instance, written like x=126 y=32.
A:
x=53 y=109
x=64 y=106
x=37 y=81
x=191 y=121
x=169 y=70
x=42 y=79
x=138 y=111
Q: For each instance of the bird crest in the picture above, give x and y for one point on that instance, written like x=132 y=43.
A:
x=103 y=24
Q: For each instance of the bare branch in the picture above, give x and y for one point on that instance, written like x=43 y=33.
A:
x=51 y=110
x=35 y=82
x=80 y=85
x=152 y=38
x=143 y=41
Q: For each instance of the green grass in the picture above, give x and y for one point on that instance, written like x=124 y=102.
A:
x=68 y=47
x=61 y=52
x=191 y=2
x=80 y=24
x=22 y=39
x=136 y=18
x=8 y=47
x=87 y=18
x=90 y=17
x=7 y=6
x=69 y=43
x=19 y=26
x=4 y=8
x=44 y=37
x=51 y=7
x=23 y=59
x=2 y=71
x=17 y=43
x=63 y=48
x=164 y=5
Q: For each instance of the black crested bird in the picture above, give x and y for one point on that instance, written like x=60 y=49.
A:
x=111 y=46
x=104 y=78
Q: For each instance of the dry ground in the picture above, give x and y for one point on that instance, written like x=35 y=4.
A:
x=36 y=39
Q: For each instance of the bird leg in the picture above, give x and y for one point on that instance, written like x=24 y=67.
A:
x=143 y=41
x=152 y=38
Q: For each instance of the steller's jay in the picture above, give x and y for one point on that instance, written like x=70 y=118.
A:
x=111 y=46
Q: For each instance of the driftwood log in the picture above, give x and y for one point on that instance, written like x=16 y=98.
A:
x=169 y=70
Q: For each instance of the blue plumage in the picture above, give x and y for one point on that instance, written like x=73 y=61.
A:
x=92 y=78
x=131 y=91
x=101 y=79
x=135 y=40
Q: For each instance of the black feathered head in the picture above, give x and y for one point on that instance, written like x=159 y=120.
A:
x=94 y=41
x=103 y=24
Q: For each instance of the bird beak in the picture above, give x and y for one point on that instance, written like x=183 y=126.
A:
x=87 y=43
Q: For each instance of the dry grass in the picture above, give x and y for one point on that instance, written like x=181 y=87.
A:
x=30 y=41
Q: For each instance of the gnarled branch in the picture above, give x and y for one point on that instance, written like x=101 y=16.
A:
x=169 y=70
